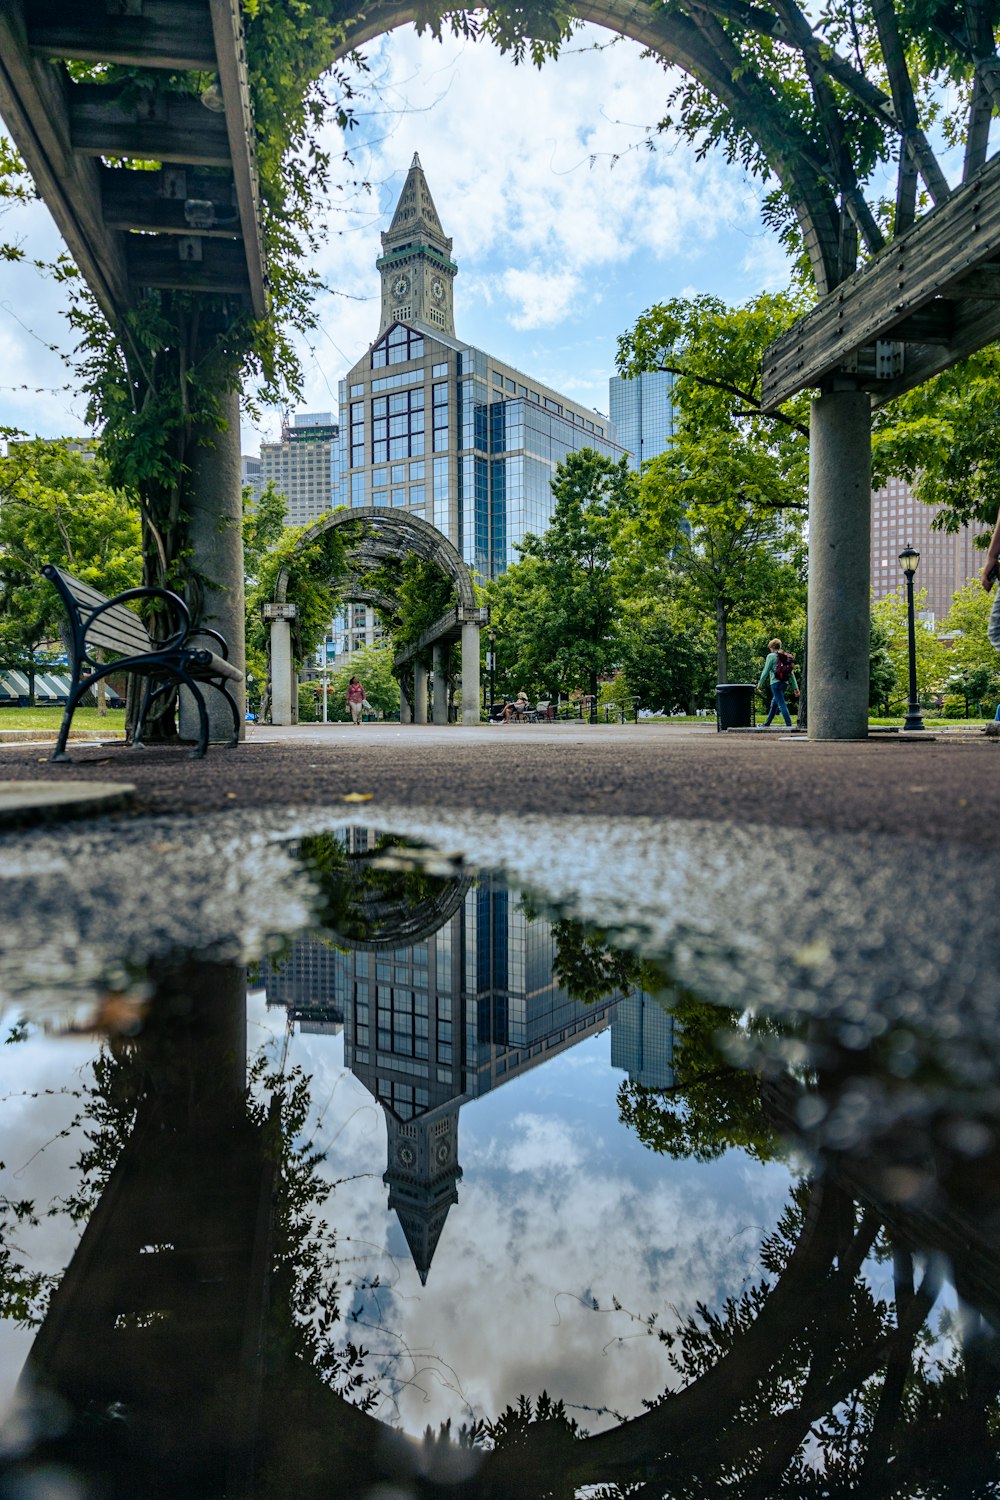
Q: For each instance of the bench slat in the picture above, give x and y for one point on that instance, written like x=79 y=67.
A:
x=120 y=635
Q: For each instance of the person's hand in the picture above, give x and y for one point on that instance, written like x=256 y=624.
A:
x=988 y=574
x=795 y=692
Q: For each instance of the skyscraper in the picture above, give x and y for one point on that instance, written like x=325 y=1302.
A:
x=302 y=465
x=947 y=559
x=450 y=432
x=642 y=410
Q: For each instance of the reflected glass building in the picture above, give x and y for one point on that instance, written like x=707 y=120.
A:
x=469 y=1000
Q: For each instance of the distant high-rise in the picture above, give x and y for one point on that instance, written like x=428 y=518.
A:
x=302 y=466
x=642 y=1041
x=642 y=410
x=948 y=559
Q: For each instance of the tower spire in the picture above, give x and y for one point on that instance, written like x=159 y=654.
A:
x=416 y=264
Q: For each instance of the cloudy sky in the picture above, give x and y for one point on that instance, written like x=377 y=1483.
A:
x=565 y=225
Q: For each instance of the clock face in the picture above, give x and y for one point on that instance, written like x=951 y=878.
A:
x=437 y=289
x=407 y=1156
x=442 y=1152
x=401 y=285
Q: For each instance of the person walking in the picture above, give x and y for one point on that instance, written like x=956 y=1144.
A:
x=355 y=699
x=988 y=577
x=779 y=670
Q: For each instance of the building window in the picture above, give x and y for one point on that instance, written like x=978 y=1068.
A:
x=399 y=344
x=357 y=489
x=498 y=379
x=437 y=371
x=440 y=424
x=378 y=479
x=399 y=497
x=417 y=471
x=397 y=427
x=357 y=390
x=416 y=494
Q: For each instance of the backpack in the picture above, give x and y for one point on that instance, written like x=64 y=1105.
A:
x=783 y=666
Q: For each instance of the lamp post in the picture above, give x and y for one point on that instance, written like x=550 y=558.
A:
x=492 y=664
x=965 y=692
x=908 y=560
x=326 y=674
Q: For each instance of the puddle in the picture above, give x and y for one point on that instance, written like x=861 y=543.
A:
x=547 y=1160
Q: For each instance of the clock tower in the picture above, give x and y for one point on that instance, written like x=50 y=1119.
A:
x=418 y=272
x=422 y=1177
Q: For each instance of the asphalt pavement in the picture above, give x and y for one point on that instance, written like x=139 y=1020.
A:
x=945 y=788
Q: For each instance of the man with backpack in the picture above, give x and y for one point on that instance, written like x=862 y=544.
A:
x=779 y=671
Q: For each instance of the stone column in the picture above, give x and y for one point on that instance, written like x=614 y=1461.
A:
x=216 y=534
x=405 y=707
x=439 y=687
x=283 y=694
x=419 y=693
x=470 y=673
x=839 y=565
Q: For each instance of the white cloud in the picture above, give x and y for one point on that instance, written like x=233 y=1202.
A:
x=543 y=298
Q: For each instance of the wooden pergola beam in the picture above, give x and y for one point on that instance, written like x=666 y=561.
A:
x=34 y=108
x=152 y=127
x=234 y=78
x=174 y=200
x=168 y=34
x=933 y=259
x=192 y=264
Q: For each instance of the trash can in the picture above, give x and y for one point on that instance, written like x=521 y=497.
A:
x=734 y=702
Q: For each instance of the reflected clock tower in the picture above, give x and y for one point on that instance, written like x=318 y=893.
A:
x=422 y=1177
x=417 y=270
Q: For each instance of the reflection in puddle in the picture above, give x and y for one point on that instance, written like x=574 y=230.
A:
x=483 y=1173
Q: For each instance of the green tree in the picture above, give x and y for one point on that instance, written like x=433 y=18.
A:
x=57 y=506
x=668 y=660
x=373 y=664
x=577 y=601
x=944 y=439
x=731 y=519
x=713 y=1104
x=933 y=660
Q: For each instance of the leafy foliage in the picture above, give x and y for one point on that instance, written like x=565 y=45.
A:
x=56 y=505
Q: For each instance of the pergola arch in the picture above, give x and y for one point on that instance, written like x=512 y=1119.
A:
x=382 y=535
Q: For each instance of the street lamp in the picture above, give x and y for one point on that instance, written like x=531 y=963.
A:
x=492 y=664
x=908 y=560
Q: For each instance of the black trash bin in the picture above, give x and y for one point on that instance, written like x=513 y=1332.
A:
x=734 y=703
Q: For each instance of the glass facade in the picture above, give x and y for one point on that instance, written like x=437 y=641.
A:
x=642 y=411
x=430 y=1026
x=494 y=443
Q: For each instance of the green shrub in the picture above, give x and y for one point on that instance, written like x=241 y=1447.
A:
x=308 y=702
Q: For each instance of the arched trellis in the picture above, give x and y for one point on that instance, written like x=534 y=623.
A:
x=379 y=535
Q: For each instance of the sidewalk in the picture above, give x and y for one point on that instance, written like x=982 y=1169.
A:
x=944 y=788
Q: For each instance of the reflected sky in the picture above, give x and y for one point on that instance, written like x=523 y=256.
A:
x=445 y=1146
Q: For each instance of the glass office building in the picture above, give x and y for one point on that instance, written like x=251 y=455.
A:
x=642 y=411
x=460 y=438
x=458 y=1005
x=445 y=430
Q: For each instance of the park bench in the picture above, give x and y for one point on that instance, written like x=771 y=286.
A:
x=108 y=637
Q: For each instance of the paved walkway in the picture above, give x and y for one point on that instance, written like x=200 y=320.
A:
x=947 y=788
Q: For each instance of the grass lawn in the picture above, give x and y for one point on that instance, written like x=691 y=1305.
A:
x=51 y=718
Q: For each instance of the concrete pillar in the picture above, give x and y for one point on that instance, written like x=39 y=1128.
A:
x=215 y=504
x=839 y=565
x=283 y=688
x=405 y=707
x=419 y=693
x=439 y=686
x=470 y=673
